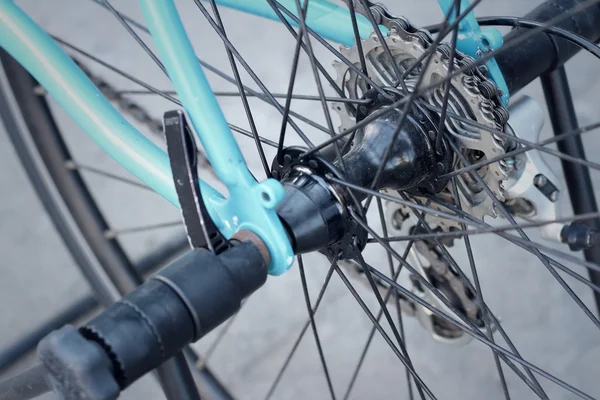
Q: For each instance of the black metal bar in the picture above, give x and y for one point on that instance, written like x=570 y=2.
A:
x=176 y=379
x=13 y=352
x=581 y=191
x=44 y=193
x=208 y=385
x=27 y=385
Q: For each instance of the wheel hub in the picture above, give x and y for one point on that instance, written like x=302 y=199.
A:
x=317 y=212
x=471 y=96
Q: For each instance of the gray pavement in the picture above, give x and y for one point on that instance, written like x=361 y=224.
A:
x=37 y=276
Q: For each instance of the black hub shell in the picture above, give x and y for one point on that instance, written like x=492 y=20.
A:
x=413 y=163
x=314 y=211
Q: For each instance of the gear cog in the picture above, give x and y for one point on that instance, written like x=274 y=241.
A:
x=471 y=95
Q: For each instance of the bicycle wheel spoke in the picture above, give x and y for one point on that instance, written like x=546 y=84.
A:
x=410 y=204
x=150 y=89
x=113 y=233
x=396 y=298
x=242 y=92
x=270 y=99
x=322 y=69
x=527 y=244
x=390 y=321
x=446 y=96
x=288 y=99
x=116 y=70
x=367 y=345
x=537 y=253
x=303 y=330
x=329 y=47
x=380 y=329
x=70 y=164
x=202 y=362
x=206 y=65
x=528 y=145
x=357 y=39
x=313 y=325
x=387 y=296
x=250 y=71
x=467 y=326
x=244 y=132
x=264 y=97
x=530 y=246
x=485 y=309
x=479 y=296
x=248 y=94
x=478 y=336
x=386 y=48
x=311 y=56
x=136 y=37
x=490 y=229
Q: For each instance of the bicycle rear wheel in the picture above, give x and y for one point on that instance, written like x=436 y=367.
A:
x=521 y=312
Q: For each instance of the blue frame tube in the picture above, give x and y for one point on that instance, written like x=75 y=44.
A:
x=73 y=91
x=250 y=204
x=329 y=20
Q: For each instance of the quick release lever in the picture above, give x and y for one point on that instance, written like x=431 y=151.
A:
x=183 y=156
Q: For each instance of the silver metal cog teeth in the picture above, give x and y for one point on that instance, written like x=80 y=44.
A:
x=476 y=92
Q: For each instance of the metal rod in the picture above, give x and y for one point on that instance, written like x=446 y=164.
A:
x=15 y=351
x=581 y=191
x=27 y=385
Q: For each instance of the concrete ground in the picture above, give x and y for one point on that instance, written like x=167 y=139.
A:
x=38 y=276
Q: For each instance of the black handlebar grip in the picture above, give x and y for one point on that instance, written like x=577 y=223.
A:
x=179 y=305
x=544 y=52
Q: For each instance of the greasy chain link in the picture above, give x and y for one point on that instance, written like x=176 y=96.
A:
x=132 y=109
x=442 y=269
x=125 y=104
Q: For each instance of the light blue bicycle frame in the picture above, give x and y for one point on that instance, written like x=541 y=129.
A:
x=249 y=204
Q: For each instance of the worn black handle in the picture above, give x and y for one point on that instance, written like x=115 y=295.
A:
x=179 y=305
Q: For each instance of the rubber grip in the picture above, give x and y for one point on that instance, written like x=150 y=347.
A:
x=543 y=52
x=178 y=305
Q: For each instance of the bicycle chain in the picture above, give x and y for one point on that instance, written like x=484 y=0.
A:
x=442 y=276
x=130 y=108
x=441 y=270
